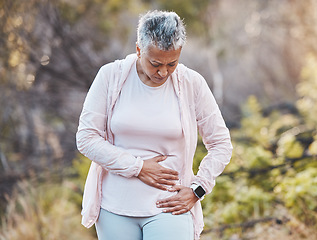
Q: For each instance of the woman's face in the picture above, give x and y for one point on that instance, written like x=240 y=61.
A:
x=154 y=66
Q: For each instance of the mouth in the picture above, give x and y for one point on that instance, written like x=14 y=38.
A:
x=160 y=78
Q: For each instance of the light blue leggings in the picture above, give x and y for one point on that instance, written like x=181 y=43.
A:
x=163 y=226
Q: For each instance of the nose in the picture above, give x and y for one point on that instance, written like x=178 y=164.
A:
x=162 y=72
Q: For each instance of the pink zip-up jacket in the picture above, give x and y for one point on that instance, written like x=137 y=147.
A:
x=198 y=110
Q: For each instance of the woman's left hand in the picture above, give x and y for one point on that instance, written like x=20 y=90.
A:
x=181 y=203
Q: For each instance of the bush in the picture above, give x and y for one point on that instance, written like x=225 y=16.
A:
x=43 y=211
x=273 y=164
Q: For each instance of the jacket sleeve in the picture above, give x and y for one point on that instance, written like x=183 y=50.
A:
x=91 y=137
x=215 y=136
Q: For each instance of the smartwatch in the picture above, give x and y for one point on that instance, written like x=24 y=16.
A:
x=198 y=190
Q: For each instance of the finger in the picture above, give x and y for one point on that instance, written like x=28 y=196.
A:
x=177 y=209
x=160 y=186
x=166 y=182
x=168 y=202
x=178 y=187
x=160 y=158
x=169 y=171
x=169 y=207
x=155 y=183
x=180 y=212
x=174 y=209
x=169 y=176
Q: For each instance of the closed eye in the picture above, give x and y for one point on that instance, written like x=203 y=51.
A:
x=155 y=65
x=172 y=64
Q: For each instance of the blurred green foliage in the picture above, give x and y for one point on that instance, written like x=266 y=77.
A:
x=46 y=210
x=80 y=170
x=307 y=92
x=299 y=193
x=273 y=164
x=193 y=11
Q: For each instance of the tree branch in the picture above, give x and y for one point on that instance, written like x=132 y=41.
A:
x=247 y=224
x=256 y=171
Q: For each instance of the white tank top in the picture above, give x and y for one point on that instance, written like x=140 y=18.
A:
x=146 y=123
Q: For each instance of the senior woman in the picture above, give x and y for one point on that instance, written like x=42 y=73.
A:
x=139 y=127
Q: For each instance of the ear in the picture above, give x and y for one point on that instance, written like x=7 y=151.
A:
x=138 y=50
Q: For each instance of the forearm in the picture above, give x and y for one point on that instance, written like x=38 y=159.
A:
x=92 y=144
x=213 y=164
x=216 y=138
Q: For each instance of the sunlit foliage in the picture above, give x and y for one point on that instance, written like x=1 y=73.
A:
x=273 y=164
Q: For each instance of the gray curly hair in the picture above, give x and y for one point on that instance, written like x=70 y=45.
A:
x=162 y=29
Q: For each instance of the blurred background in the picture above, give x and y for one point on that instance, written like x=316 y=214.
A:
x=259 y=58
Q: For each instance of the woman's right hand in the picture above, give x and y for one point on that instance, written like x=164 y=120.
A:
x=155 y=175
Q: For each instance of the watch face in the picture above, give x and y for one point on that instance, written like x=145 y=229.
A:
x=200 y=191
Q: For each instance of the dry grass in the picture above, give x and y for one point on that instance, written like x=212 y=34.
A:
x=44 y=212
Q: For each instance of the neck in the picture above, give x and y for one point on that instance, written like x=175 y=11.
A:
x=144 y=78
